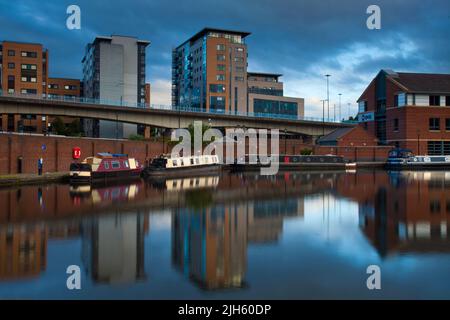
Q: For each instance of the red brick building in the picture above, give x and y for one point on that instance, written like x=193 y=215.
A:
x=408 y=110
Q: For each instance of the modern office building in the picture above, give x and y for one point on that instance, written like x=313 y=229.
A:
x=209 y=71
x=114 y=71
x=23 y=70
x=408 y=110
x=266 y=96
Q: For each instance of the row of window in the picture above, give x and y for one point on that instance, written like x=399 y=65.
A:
x=434 y=124
x=12 y=65
x=221 y=77
x=222 y=47
x=26 y=54
x=222 y=57
x=115 y=164
x=66 y=87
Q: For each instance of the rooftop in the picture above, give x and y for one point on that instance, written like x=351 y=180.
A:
x=335 y=135
x=109 y=38
x=422 y=82
x=264 y=74
x=202 y=32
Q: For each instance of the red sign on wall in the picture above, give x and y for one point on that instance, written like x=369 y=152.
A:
x=76 y=153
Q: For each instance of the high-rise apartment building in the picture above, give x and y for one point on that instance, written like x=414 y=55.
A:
x=209 y=71
x=114 y=71
x=23 y=70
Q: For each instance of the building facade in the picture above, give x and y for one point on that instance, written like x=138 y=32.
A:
x=209 y=71
x=266 y=96
x=63 y=88
x=114 y=71
x=408 y=110
x=23 y=70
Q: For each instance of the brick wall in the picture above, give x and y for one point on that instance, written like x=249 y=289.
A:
x=57 y=153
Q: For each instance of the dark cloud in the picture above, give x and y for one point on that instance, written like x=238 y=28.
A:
x=301 y=36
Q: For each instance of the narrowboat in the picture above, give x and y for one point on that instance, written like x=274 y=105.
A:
x=404 y=159
x=296 y=162
x=104 y=167
x=167 y=166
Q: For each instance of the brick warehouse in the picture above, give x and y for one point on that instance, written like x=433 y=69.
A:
x=408 y=110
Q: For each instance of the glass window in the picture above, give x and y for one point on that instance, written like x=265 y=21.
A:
x=174 y=163
x=395 y=124
x=447 y=124
x=220 y=57
x=240 y=49
x=240 y=69
x=115 y=164
x=217 y=103
x=447 y=101
x=434 y=124
x=125 y=163
x=11 y=65
x=275 y=107
x=220 y=47
x=106 y=165
x=220 y=77
x=217 y=88
x=238 y=59
x=435 y=100
x=220 y=67
x=11 y=53
x=239 y=78
x=362 y=106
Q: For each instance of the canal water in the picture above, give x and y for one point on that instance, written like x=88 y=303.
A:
x=240 y=236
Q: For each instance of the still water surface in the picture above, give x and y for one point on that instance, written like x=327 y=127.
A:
x=240 y=236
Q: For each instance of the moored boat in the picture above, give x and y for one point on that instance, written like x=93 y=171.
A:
x=167 y=166
x=404 y=159
x=295 y=162
x=104 y=166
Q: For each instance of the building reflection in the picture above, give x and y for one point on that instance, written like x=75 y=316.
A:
x=23 y=251
x=113 y=247
x=210 y=246
x=410 y=214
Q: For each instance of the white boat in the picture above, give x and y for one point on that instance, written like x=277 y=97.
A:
x=405 y=159
x=167 y=166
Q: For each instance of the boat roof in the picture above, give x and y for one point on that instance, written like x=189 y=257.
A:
x=111 y=155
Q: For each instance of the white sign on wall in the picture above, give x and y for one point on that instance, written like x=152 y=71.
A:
x=366 y=117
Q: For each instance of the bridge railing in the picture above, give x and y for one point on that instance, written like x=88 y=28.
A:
x=84 y=100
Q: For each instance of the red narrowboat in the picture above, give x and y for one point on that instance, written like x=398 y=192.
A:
x=104 y=166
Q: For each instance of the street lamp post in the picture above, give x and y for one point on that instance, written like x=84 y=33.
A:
x=328 y=95
x=340 y=95
x=323 y=115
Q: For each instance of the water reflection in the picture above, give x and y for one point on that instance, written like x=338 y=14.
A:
x=216 y=224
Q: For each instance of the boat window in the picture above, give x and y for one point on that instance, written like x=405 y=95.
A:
x=192 y=160
x=106 y=165
x=174 y=163
x=181 y=162
x=115 y=164
x=197 y=160
x=126 y=163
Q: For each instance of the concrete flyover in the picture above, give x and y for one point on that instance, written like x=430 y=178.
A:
x=159 y=117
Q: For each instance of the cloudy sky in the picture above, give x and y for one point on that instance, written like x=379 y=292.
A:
x=302 y=39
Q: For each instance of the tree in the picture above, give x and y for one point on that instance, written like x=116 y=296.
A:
x=58 y=126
